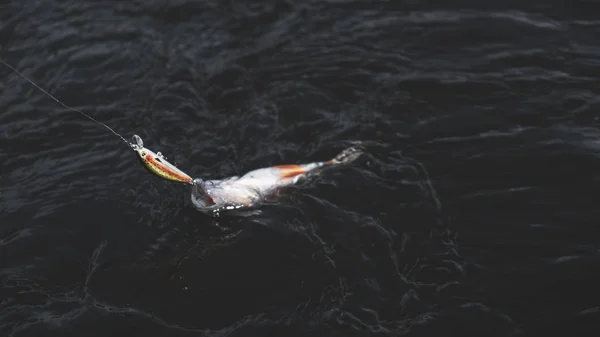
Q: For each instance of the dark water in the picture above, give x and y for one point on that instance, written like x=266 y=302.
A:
x=474 y=213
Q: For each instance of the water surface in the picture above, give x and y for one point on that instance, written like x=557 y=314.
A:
x=473 y=213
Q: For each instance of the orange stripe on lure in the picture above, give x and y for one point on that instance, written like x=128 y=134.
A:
x=158 y=164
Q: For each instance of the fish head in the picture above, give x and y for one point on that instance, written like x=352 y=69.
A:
x=201 y=194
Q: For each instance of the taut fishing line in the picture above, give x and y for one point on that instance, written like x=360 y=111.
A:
x=66 y=106
x=155 y=162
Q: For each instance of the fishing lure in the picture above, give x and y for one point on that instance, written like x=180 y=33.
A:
x=157 y=164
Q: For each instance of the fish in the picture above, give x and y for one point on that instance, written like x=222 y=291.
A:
x=239 y=194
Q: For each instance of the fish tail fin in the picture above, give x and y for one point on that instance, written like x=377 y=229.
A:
x=347 y=156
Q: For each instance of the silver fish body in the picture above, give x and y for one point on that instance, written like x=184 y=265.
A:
x=249 y=191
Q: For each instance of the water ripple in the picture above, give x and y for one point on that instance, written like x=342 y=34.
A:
x=472 y=118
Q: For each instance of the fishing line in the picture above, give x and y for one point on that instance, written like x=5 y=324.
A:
x=68 y=107
x=155 y=162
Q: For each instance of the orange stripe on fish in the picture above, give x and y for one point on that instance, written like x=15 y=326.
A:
x=289 y=167
x=290 y=171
